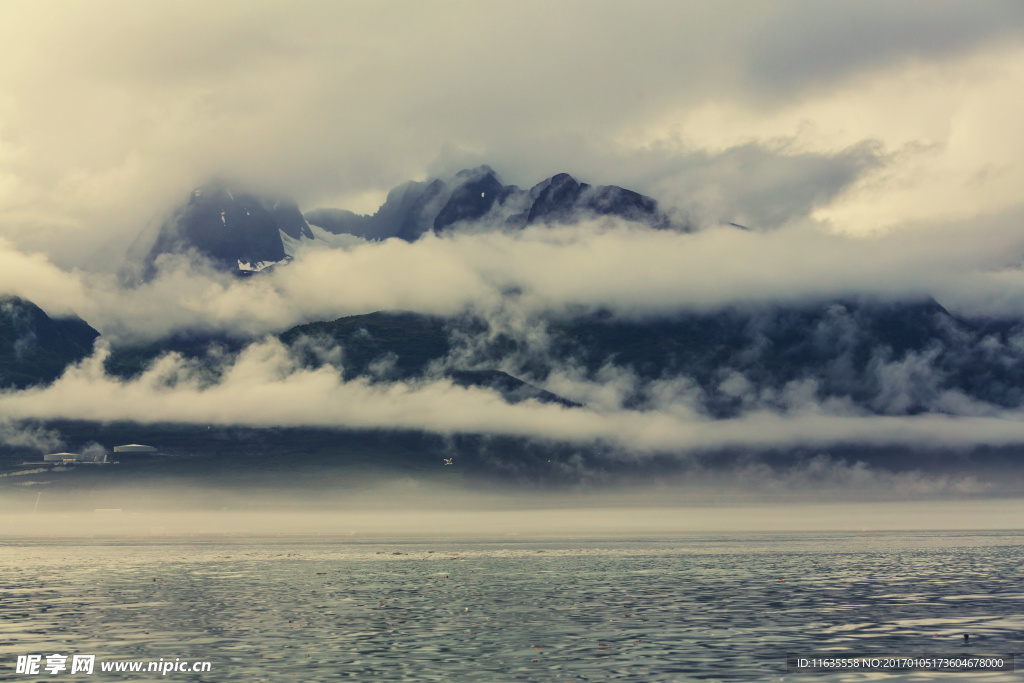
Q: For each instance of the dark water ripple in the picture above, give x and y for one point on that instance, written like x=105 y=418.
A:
x=695 y=608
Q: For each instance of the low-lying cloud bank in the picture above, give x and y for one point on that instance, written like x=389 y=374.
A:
x=267 y=386
x=15 y=435
x=631 y=270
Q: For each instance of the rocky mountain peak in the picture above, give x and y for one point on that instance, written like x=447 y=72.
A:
x=244 y=233
x=236 y=230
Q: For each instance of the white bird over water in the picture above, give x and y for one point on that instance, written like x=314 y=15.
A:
x=448 y=461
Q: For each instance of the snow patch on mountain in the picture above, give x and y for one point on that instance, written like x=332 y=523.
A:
x=322 y=239
x=247 y=267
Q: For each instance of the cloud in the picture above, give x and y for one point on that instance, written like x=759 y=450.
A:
x=332 y=102
x=834 y=477
x=633 y=271
x=14 y=434
x=942 y=131
x=762 y=186
x=268 y=386
x=828 y=44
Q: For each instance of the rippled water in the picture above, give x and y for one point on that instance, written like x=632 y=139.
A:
x=660 y=609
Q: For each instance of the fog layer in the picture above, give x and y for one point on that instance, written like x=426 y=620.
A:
x=971 y=267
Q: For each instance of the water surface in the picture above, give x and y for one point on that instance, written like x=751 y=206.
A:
x=695 y=607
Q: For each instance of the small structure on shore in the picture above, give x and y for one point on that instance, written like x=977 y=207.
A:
x=93 y=455
x=134 y=448
x=61 y=458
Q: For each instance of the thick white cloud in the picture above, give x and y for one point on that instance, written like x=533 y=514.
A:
x=942 y=135
x=266 y=386
x=630 y=269
x=17 y=435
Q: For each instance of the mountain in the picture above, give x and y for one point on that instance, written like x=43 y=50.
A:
x=561 y=198
x=856 y=357
x=35 y=348
x=873 y=356
x=130 y=360
x=382 y=346
x=245 y=233
x=877 y=357
x=403 y=346
x=239 y=232
x=880 y=357
x=413 y=209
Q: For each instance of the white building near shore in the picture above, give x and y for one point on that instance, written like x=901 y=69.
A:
x=61 y=458
x=134 y=448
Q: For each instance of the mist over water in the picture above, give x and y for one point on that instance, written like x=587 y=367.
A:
x=317 y=573
x=410 y=508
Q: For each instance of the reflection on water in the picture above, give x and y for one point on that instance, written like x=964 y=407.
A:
x=699 y=607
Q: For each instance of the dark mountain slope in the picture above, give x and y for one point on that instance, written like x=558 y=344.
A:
x=244 y=233
x=474 y=194
x=35 y=348
x=382 y=346
x=130 y=360
x=389 y=345
x=882 y=357
x=562 y=199
x=402 y=346
x=877 y=357
x=886 y=357
x=238 y=232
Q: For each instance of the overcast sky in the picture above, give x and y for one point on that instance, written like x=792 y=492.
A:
x=861 y=117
